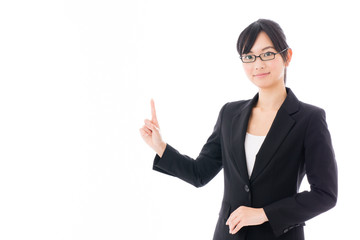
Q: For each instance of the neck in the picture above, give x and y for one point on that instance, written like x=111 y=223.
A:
x=271 y=99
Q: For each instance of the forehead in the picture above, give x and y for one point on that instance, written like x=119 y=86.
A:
x=261 y=43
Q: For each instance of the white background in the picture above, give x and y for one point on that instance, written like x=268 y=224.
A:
x=76 y=79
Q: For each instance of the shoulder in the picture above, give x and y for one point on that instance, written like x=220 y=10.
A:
x=230 y=109
x=235 y=106
x=310 y=110
x=294 y=105
x=311 y=117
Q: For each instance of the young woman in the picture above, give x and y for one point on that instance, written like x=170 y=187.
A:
x=265 y=145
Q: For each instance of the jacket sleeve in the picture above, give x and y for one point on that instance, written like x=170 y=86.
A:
x=199 y=171
x=321 y=171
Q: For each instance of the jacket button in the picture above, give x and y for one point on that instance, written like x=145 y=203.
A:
x=246 y=188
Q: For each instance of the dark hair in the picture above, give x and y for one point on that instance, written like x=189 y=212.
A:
x=272 y=29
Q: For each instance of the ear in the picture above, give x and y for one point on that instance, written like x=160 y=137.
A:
x=289 y=56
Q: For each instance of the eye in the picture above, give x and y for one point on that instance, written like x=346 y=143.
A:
x=248 y=57
x=268 y=54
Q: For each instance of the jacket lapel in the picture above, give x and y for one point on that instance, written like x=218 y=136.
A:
x=239 y=126
x=279 y=129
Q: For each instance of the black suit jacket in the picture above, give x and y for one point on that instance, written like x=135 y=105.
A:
x=297 y=143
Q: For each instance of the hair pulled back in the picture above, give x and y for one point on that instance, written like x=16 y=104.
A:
x=248 y=36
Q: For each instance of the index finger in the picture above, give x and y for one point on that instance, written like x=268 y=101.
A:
x=153 y=113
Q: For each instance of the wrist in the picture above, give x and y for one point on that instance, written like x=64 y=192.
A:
x=161 y=149
x=263 y=215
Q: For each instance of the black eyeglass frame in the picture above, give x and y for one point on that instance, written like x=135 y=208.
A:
x=259 y=56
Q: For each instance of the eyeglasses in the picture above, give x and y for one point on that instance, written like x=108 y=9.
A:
x=264 y=56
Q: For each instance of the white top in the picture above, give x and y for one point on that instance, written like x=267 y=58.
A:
x=252 y=147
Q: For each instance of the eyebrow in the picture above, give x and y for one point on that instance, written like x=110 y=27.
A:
x=265 y=49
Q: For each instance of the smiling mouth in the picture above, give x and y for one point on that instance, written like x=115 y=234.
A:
x=261 y=74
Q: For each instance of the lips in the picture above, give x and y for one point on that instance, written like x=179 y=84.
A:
x=261 y=74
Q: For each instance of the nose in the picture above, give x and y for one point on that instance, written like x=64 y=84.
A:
x=259 y=64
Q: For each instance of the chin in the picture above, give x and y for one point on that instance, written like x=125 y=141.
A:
x=263 y=84
x=266 y=84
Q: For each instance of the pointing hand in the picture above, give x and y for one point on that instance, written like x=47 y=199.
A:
x=150 y=132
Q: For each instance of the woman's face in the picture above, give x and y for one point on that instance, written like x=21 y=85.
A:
x=266 y=74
